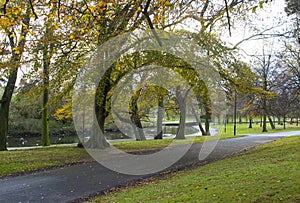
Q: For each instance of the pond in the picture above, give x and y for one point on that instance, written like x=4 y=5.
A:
x=150 y=132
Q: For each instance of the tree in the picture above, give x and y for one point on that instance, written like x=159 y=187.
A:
x=266 y=71
x=292 y=6
x=84 y=22
x=14 y=27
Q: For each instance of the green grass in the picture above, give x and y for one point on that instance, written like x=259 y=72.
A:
x=160 y=144
x=243 y=129
x=267 y=173
x=26 y=160
x=23 y=161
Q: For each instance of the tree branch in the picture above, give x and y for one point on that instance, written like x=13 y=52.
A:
x=32 y=9
x=146 y=14
x=228 y=17
x=4 y=7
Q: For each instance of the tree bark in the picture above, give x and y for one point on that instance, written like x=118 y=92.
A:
x=207 y=117
x=47 y=49
x=4 y=111
x=271 y=122
x=240 y=119
x=264 y=124
x=10 y=85
x=261 y=121
x=250 y=123
x=182 y=106
x=181 y=128
x=97 y=139
x=135 y=118
x=198 y=119
x=160 y=103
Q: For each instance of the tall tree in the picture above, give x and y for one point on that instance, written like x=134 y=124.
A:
x=14 y=27
x=266 y=70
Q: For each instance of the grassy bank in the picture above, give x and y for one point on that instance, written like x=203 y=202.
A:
x=27 y=160
x=268 y=173
x=243 y=129
x=23 y=161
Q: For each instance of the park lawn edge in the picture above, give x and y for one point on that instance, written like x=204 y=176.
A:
x=133 y=147
x=271 y=152
x=31 y=160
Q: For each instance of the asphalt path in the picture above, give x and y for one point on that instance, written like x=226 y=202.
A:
x=74 y=183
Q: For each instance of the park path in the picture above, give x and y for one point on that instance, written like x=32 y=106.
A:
x=71 y=183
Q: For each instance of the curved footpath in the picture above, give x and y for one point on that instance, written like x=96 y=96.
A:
x=74 y=183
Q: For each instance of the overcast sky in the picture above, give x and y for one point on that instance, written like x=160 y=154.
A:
x=272 y=15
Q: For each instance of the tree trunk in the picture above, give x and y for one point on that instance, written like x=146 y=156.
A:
x=207 y=119
x=250 y=122
x=264 y=126
x=261 y=121
x=97 y=139
x=208 y=112
x=4 y=108
x=182 y=106
x=240 y=119
x=181 y=128
x=284 y=122
x=271 y=122
x=4 y=111
x=12 y=77
x=47 y=52
x=160 y=102
x=198 y=119
x=135 y=117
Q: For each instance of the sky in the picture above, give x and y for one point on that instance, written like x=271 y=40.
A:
x=272 y=15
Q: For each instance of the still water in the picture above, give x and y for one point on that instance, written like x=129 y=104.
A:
x=150 y=132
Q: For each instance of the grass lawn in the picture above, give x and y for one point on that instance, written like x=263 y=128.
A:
x=243 y=129
x=159 y=144
x=20 y=161
x=27 y=160
x=267 y=173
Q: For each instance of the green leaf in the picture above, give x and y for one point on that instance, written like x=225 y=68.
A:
x=2 y=2
x=261 y=4
x=254 y=9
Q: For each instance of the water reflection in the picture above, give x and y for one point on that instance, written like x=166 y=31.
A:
x=150 y=132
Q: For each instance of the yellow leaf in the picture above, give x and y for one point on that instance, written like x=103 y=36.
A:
x=261 y=4
x=2 y=2
x=16 y=50
x=21 y=37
